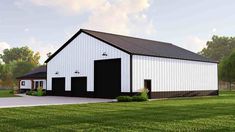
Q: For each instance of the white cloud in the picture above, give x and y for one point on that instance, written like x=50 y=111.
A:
x=4 y=45
x=121 y=16
x=41 y=47
x=71 y=6
x=194 y=43
x=126 y=17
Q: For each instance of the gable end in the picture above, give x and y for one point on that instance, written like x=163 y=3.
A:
x=74 y=36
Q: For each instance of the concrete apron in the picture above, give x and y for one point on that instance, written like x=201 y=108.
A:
x=28 y=101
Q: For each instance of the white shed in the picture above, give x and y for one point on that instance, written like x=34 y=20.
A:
x=104 y=65
x=33 y=80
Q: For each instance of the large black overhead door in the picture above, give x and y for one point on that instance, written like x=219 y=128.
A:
x=107 y=78
x=58 y=86
x=79 y=86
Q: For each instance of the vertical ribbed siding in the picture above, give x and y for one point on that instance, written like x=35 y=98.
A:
x=174 y=74
x=80 y=55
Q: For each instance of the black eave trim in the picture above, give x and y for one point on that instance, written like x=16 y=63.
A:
x=63 y=46
x=74 y=36
x=176 y=58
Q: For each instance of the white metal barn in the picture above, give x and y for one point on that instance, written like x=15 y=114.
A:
x=104 y=65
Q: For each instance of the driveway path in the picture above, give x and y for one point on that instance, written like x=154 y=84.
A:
x=25 y=101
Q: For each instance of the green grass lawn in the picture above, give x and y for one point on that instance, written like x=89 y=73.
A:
x=188 y=114
x=6 y=93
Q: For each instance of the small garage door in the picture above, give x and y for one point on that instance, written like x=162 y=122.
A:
x=58 y=86
x=79 y=86
x=107 y=78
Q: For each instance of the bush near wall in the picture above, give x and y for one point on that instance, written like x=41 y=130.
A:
x=124 y=99
x=139 y=98
x=142 y=96
x=39 y=92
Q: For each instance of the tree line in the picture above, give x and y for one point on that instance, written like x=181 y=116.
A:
x=16 y=62
x=222 y=49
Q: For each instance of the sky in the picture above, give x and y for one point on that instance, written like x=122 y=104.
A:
x=45 y=25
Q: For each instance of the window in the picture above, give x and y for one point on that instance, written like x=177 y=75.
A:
x=22 y=83
x=41 y=84
x=38 y=84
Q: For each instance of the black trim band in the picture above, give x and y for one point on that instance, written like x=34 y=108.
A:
x=174 y=94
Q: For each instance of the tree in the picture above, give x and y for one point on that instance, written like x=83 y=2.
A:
x=20 y=68
x=218 y=47
x=9 y=72
x=6 y=75
x=17 y=62
x=1 y=70
x=23 y=54
x=227 y=69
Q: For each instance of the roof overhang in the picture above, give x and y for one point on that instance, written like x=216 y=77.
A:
x=124 y=50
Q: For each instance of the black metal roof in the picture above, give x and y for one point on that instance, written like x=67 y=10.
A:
x=138 y=46
x=39 y=72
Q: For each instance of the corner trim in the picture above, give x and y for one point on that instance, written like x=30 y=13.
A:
x=131 y=71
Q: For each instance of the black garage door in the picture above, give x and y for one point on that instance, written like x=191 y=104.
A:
x=79 y=86
x=107 y=78
x=58 y=86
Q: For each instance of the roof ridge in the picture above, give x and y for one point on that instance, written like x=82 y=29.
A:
x=138 y=46
x=84 y=30
x=124 y=36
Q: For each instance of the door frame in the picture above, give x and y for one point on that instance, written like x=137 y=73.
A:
x=150 y=88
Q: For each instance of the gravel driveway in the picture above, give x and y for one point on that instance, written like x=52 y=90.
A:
x=25 y=101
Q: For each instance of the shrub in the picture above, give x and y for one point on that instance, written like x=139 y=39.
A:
x=142 y=96
x=34 y=93
x=29 y=92
x=144 y=93
x=139 y=98
x=40 y=91
x=124 y=99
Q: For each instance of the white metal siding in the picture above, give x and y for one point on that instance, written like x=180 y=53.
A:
x=80 y=55
x=28 y=84
x=174 y=74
